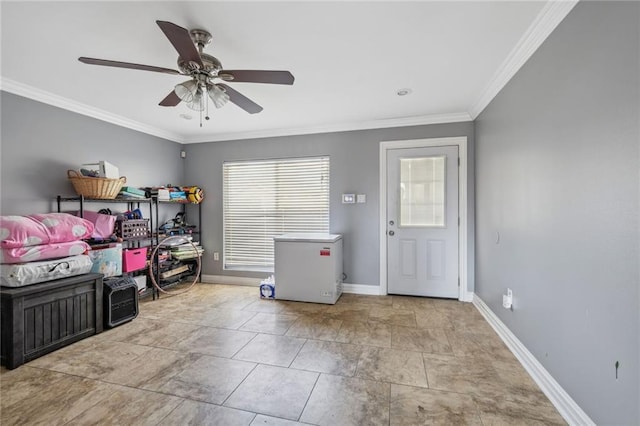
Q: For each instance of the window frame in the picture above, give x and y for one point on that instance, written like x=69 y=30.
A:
x=285 y=178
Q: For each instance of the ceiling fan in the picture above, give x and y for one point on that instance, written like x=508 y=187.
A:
x=203 y=69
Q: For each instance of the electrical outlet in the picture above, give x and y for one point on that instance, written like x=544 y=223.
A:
x=216 y=256
x=507 y=300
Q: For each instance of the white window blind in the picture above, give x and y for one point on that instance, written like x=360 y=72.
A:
x=267 y=198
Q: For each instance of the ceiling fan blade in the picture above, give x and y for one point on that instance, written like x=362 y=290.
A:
x=171 y=100
x=241 y=100
x=256 y=76
x=181 y=40
x=107 y=63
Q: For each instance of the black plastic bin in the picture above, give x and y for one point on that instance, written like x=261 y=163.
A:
x=120 y=295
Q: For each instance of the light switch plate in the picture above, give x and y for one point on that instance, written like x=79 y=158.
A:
x=361 y=198
x=348 y=198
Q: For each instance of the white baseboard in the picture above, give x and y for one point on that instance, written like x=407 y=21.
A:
x=372 y=290
x=255 y=282
x=231 y=280
x=361 y=289
x=566 y=406
x=467 y=296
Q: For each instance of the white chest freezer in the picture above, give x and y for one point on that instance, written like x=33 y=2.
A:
x=308 y=267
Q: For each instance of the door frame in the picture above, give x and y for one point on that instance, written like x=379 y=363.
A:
x=461 y=142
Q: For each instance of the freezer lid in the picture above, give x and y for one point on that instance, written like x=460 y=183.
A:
x=309 y=237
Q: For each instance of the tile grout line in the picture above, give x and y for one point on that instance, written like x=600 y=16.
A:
x=308 y=397
x=174 y=409
x=242 y=347
x=239 y=384
x=297 y=353
x=424 y=365
x=243 y=324
x=389 y=404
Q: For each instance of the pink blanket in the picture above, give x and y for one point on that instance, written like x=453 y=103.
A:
x=43 y=252
x=42 y=229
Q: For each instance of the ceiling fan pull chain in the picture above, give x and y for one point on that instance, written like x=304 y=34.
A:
x=206 y=95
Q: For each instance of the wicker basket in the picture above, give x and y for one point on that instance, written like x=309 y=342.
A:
x=94 y=187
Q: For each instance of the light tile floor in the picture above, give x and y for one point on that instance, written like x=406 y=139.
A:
x=218 y=355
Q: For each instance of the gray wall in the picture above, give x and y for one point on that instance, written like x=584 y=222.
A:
x=557 y=175
x=354 y=169
x=41 y=142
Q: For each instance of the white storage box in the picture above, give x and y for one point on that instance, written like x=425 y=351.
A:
x=104 y=169
x=308 y=267
x=141 y=281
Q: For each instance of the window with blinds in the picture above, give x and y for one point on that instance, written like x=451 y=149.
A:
x=267 y=198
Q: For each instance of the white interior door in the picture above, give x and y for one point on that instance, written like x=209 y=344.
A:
x=422 y=221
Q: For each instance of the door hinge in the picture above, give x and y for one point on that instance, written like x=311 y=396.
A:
x=458 y=281
x=458 y=161
x=458 y=221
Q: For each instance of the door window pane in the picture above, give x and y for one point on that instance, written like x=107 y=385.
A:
x=422 y=191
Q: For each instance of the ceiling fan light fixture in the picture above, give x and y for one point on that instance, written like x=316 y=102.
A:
x=218 y=96
x=198 y=102
x=186 y=91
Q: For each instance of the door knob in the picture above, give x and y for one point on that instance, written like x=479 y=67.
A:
x=391 y=233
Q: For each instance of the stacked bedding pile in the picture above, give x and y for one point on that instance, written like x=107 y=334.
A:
x=43 y=247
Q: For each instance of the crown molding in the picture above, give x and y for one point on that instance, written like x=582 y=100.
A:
x=547 y=20
x=30 y=92
x=337 y=127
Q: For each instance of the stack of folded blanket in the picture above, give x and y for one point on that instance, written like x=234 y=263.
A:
x=42 y=247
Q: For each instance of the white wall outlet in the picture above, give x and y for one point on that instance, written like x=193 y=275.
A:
x=216 y=256
x=507 y=299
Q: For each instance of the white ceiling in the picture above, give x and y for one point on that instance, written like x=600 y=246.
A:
x=349 y=59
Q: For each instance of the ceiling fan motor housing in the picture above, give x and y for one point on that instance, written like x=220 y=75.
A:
x=211 y=65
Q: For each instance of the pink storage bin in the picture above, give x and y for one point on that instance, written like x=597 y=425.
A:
x=134 y=259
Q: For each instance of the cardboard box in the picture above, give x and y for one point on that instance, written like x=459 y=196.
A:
x=107 y=259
